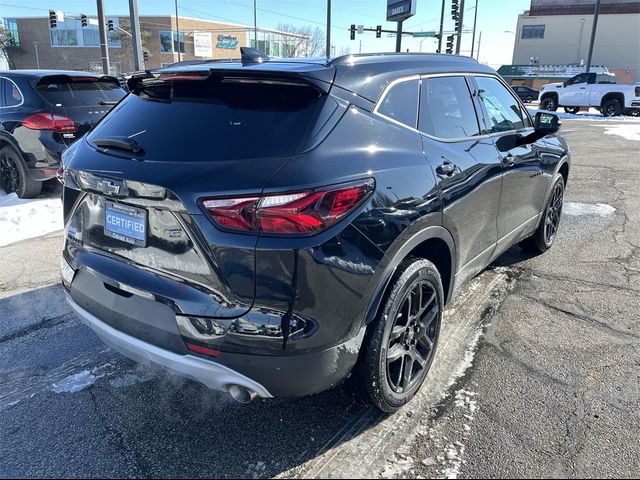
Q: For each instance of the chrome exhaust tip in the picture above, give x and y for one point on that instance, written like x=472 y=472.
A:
x=241 y=394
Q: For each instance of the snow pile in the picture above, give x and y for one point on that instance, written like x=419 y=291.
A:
x=628 y=131
x=27 y=218
x=577 y=208
x=592 y=114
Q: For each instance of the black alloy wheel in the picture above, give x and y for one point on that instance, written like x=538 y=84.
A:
x=549 y=103
x=9 y=173
x=553 y=213
x=400 y=345
x=413 y=335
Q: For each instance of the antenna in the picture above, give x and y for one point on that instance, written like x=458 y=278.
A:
x=251 y=56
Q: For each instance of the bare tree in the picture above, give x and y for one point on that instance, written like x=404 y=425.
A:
x=8 y=46
x=344 y=50
x=312 y=45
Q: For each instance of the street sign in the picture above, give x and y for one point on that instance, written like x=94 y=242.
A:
x=400 y=10
x=360 y=28
x=425 y=34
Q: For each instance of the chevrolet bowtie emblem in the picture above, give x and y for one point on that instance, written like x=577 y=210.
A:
x=108 y=187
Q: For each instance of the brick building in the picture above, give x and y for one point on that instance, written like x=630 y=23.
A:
x=71 y=46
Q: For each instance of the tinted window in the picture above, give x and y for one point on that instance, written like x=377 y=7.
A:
x=504 y=111
x=12 y=95
x=446 y=108
x=533 y=31
x=213 y=121
x=80 y=91
x=401 y=103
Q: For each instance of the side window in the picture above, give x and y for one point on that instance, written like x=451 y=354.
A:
x=446 y=108
x=401 y=103
x=504 y=111
x=12 y=95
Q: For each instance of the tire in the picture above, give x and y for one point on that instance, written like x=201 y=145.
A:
x=612 y=108
x=408 y=328
x=528 y=100
x=549 y=103
x=547 y=231
x=14 y=176
x=572 y=110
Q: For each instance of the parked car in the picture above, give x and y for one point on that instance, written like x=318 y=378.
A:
x=42 y=112
x=526 y=94
x=592 y=90
x=273 y=228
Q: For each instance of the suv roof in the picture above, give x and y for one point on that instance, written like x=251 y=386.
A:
x=364 y=74
x=46 y=73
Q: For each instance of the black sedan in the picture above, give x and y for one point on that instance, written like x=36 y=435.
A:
x=526 y=94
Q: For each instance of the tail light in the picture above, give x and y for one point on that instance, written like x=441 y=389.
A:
x=50 y=121
x=291 y=213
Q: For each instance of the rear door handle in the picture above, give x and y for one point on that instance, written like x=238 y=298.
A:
x=447 y=168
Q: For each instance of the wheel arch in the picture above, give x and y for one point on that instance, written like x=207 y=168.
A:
x=612 y=96
x=433 y=243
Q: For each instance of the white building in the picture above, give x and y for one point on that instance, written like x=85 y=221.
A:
x=558 y=32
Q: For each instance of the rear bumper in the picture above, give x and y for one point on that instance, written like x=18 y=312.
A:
x=211 y=374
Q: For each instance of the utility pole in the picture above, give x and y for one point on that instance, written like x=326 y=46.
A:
x=399 y=37
x=441 y=28
x=102 y=28
x=593 y=34
x=177 y=30
x=255 y=24
x=459 y=42
x=328 y=45
x=136 y=40
x=478 y=52
x=475 y=21
x=35 y=45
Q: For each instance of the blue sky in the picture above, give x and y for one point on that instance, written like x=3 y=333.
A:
x=494 y=18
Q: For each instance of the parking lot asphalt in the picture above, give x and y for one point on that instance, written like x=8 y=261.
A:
x=537 y=374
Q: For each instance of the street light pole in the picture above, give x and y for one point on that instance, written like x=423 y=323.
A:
x=459 y=42
x=177 y=30
x=475 y=22
x=441 y=28
x=136 y=40
x=328 y=45
x=35 y=45
x=399 y=37
x=593 y=34
x=102 y=28
x=255 y=25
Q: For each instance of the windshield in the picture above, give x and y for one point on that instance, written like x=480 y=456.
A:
x=210 y=120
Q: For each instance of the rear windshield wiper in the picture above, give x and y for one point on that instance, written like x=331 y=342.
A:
x=122 y=143
x=107 y=102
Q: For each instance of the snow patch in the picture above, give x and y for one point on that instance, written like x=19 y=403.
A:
x=77 y=382
x=27 y=218
x=453 y=458
x=591 y=115
x=630 y=132
x=577 y=208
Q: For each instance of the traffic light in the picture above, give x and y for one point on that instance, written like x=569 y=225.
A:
x=145 y=56
x=110 y=25
x=378 y=31
x=83 y=21
x=455 y=9
x=53 y=19
x=352 y=32
x=450 y=43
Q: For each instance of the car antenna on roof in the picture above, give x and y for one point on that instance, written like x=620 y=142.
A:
x=251 y=56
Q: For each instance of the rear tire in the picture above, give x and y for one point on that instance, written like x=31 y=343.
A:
x=549 y=103
x=400 y=344
x=572 y=110
x=612 y=108
x=546 y=233
x=14 y=176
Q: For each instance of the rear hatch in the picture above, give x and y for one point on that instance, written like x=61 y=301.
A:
x=85 y=99
x=136 y=183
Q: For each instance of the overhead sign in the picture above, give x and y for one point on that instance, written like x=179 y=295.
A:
x=424 y=34
x=202 y=44
x=400 y=10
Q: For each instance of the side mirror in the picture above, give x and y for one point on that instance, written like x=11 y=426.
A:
x=546 y=123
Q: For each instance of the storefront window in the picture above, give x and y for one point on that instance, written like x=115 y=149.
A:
x=70 y=33
x=11 y=24
x=169 y=42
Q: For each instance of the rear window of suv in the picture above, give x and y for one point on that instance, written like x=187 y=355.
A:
x=213 y=120
x=66 y=91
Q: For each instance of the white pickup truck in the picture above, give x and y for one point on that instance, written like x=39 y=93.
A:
x=592 y=90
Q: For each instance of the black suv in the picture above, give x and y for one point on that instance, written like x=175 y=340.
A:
x=41 y=113
x=273 y=228
x=526 y=94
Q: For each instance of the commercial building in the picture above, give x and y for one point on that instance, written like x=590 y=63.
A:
x=556 y=34
x=72 y=46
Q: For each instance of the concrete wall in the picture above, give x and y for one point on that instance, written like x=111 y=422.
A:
x=566 y=41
